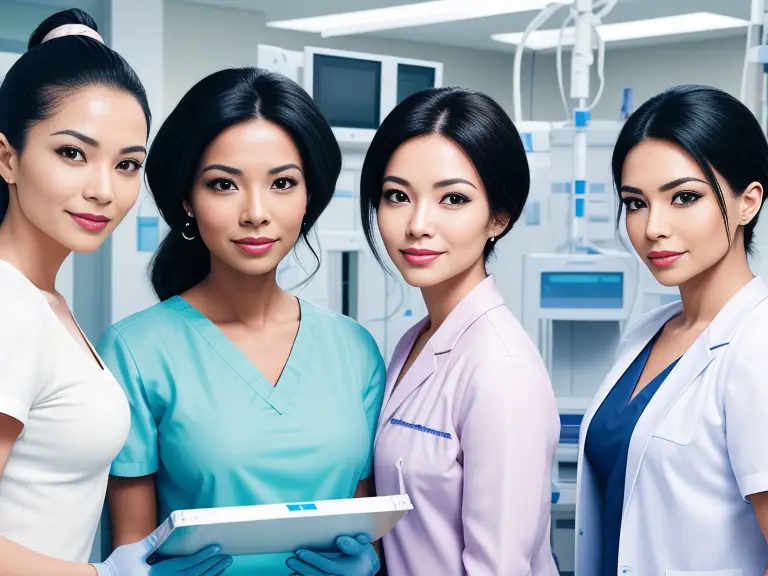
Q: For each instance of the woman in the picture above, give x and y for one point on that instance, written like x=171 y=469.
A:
x=673 y=459
x=240 y=393
x=469 y=423
x=74 y=120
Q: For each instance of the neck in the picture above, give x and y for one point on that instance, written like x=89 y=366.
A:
x=705 y=295
x=442 y=298
x=35 y=254
x=238 y=297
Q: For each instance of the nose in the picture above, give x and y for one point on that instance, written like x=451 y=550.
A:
x=255 y=212
x=420 y=223
x=657 y=225
x=100 y=188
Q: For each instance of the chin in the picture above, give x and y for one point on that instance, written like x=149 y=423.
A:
x=421 y=278
x=85 y=245
x=671 y=278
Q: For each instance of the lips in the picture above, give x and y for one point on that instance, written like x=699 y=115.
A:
x=90 y=222
x=664 y=258
x=420 y=256
x=258 y=246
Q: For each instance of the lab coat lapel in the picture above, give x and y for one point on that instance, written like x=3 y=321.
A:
x=421 y=369
x=686 y=371
x=625 y=356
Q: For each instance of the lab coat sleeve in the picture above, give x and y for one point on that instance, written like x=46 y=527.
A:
x=23 y=357
x=746 y=412
x=373 y=396
x=509 y=433
x=139 y=456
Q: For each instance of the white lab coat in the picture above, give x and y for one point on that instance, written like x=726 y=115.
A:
x=699 y=449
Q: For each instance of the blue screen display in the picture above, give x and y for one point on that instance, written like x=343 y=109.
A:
x=582 y=290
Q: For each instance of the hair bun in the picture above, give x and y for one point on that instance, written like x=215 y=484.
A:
x=71 y=16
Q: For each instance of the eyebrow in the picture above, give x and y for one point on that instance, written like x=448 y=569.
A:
x=440 y=184
x=95 y=143
x=666 y=187
x=238 y=172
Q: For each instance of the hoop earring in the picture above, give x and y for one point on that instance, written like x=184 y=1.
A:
x=187 y=226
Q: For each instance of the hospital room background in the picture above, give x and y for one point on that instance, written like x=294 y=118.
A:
x=565 y=271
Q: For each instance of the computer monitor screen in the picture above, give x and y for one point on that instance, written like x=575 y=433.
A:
x=411 y=79
x=347 y=91
x=582 y=290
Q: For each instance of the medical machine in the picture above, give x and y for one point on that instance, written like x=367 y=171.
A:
x=277 y=528
x=355 y=91
x=575 y=307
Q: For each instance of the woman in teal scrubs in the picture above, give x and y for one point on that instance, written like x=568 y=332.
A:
x=240 y=393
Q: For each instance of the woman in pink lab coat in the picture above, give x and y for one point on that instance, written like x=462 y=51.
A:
x=469 y=423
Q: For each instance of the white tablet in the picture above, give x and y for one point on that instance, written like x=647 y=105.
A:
x=277 y=528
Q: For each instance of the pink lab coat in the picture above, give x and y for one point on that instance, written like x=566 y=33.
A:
x=473 y=427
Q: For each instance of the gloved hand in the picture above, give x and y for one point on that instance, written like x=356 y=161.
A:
x=357 y=558
x=131 y=560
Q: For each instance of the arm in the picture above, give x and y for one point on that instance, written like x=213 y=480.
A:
x=131 y=492
x=746 y=409
x=132 y=508
x=16 y=560
x=508 y=431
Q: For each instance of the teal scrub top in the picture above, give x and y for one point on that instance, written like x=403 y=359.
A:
x=217 y=433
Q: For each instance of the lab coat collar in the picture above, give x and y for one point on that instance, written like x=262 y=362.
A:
x=482 y=298
x=685 y=373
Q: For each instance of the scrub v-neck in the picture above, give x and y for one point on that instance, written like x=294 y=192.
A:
x=279 y=395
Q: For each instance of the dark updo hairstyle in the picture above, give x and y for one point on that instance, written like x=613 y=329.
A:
x=42 y=78
x=714 y=128
x=219 y=101
x=472 y=121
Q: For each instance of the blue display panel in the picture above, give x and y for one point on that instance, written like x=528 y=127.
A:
x=347 y=91
x=570 y=425
x=582 y=290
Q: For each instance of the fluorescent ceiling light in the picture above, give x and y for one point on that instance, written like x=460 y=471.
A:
x=651 y=28
x=408 y=15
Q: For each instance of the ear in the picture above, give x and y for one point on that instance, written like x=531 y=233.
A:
x=188 y=208
x=750 y=202
x=498 y=224
x=8 y=160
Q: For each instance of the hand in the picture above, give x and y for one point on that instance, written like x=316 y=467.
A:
x=357 y=558
x=131 y=560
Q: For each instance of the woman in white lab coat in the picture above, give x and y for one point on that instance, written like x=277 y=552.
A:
x=673 y=453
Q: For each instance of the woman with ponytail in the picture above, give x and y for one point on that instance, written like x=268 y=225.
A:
x=74 y=121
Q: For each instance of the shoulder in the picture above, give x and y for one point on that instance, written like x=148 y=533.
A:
x=341 y=329
x=750 y=341
x=146 y=323
x=21 y=304
x=496 y=340
x=656 y=317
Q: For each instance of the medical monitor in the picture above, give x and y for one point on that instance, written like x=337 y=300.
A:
x=566 y=289
x=355 y=91
x=348 y=91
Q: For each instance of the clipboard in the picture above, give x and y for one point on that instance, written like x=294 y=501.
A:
x=277 y=528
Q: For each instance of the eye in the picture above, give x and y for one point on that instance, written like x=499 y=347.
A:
x=454 y=199
x=396 y=196
x=71 y=153
x=284 y=183
x=129 y=165
x=222 y=184
x=633 y=204
x=685 y=198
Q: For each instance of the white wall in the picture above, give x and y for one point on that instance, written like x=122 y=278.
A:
x=201 y=39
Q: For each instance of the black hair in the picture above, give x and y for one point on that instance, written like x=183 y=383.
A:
x=714 y=128
x=472 y=121
x=219 y=101
x=44 y=76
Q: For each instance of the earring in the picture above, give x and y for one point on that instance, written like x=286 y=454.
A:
x=188 y=227
x=493 y=239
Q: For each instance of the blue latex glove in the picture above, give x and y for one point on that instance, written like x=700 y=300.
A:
x=131 y=560
x=357 y=557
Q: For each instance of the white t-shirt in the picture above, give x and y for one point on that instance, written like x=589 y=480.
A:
x=76 y=419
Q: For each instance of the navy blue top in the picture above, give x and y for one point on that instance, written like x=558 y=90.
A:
x=607 y=446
